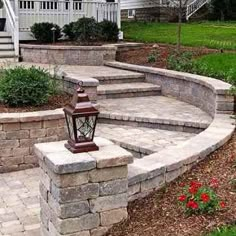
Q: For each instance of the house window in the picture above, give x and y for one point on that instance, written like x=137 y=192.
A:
x=26 y=4
x=131 y=13
x=76 y=6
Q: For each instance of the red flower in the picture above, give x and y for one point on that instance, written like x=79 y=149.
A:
x=192 y=204
x=193 y=190
x=182 y=198
x=214 y=183
x=195 y=184
x=222 y=204
x=181 y=184
x=205 y=197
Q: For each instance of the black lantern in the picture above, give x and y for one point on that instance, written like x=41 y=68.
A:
x=81 y=118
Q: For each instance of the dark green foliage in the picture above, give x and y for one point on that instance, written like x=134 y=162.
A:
x=108 y=31
x=180 y=61
x=224 y=231
x=43 y=32
x=20 y=86
x=68 y=31
x=223 y=10
x=86 y=29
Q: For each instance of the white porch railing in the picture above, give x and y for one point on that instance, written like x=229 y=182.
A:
x=63 y=12
x=12 y=22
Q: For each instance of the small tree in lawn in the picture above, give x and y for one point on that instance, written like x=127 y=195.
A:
x=181 y=9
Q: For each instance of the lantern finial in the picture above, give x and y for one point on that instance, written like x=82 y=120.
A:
x=81 y=118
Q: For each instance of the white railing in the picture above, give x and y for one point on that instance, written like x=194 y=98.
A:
x=12 y=22
x=195 y=6
x=63 y=12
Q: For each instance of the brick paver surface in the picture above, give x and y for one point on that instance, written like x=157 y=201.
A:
x=152 y=140
x=19 y=203
x=159 y=107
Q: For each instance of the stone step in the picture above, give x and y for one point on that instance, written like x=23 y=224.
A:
x=7 y=53
x=156 y=112
x=120 y=79
x=6 y=46
x=5 y=39
x=141 y=141
x=127 y=90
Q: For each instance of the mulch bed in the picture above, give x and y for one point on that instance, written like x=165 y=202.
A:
x=139 y=56
x=159 y=214
x=54 y=102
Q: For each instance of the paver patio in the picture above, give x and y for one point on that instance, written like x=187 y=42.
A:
x=19 y=210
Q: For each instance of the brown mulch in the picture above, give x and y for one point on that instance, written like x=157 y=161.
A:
x=54 y=102
x=139 y=56
x=160 y=215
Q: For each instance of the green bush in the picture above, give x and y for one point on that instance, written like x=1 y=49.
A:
x=108 y=31
x=43 y=32
x=86 y=29
x=180 y=61
x=20 y=86
x=68 y=31
x=152 y=57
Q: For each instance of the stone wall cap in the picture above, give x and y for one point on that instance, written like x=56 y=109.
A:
x=31 y=116
x=67 y=47
x=61 y=161
x=74 y=78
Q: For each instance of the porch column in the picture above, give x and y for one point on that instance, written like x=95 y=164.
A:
x=82 y=194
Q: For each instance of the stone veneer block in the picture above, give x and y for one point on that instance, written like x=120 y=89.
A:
x=82 y=194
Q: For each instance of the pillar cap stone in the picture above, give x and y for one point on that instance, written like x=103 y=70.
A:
x=61 y=161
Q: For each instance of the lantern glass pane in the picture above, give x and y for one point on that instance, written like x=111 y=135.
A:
x=85 y=128
x=69 y=121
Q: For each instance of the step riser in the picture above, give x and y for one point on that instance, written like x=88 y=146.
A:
x=170 y=127
x=6 y=47
x=122 y=81
x=138 y=152
x=129 y=94
x=5 y=40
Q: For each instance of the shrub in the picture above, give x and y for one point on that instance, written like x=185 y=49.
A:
x=197 y=198
x=152 y=57
x=68 y=31
x=180 y=61
x=20 y=86
x=108 y=31
x=86 y=29
x=43 y=32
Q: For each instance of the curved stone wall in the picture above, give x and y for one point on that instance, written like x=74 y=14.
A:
x=69 y=55
x=154 y=171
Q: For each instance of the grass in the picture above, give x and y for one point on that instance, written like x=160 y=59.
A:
x=220 y=62
x=225 y=231
x=206 y=34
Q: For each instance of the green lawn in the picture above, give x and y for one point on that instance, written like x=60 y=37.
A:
x=220 y=66
x=220 y=62
x=225 y=231
x=209 y=34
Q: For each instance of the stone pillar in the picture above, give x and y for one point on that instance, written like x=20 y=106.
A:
x=82 y=194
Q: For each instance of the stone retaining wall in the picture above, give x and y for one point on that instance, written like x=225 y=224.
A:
x=210 y=95
x=20 y=131
x=69 y=55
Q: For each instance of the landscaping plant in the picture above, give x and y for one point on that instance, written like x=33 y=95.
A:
x=198 y=198
x=86 y=30
x=21 y=87
x=68 y=31
x=108 y=31
x=46 y=32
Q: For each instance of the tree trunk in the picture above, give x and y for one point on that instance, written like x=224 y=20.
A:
x=179 y=26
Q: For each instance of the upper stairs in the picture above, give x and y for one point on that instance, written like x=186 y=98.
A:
x=6 y=46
